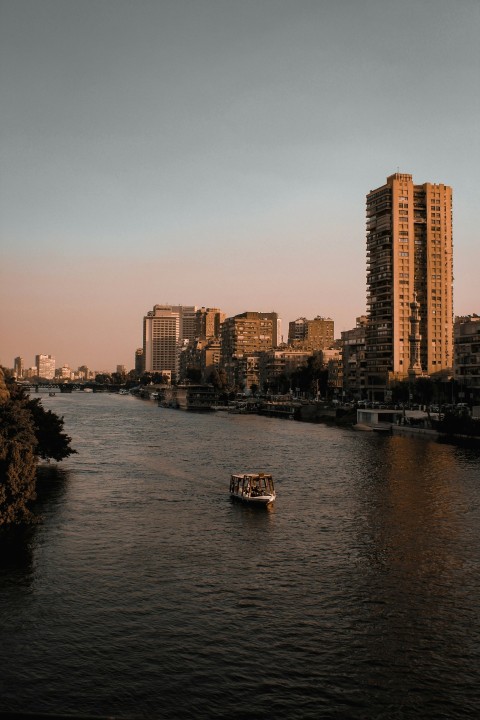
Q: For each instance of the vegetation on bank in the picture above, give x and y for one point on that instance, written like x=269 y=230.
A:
x=28 y=433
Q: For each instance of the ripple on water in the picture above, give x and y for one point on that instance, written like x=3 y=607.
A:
x=146 y=592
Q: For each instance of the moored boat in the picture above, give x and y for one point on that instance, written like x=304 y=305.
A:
x=253 y=488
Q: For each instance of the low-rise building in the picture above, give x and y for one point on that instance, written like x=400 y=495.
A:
x=467 y=355
x=280 y=361
x=353 y=359
x=314 y=334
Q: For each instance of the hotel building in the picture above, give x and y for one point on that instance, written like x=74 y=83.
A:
x=409 y=260
x=166 y=329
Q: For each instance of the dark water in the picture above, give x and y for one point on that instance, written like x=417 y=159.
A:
x=146 y=593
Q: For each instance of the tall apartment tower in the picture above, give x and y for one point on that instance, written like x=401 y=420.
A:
x=45 y=365
x=409 y=260
x=208 y=322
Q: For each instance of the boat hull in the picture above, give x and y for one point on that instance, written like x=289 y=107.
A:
x=258 y=501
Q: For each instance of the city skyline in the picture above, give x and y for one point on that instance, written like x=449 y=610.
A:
x=218 y=154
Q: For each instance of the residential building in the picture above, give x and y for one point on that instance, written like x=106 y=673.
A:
x=244 y=336
x=45 y=366
x=64 y=373
x=315 y=334
x=278 y=362
x=409 y=260
x=467 y=356
x=83 y=373
x=331 y=359
x=208 y=322
x=353 y=358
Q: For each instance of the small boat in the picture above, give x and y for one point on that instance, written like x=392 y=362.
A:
x=252 y=488
x=51 y=394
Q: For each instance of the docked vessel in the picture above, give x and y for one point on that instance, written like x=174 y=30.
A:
x=252 y=488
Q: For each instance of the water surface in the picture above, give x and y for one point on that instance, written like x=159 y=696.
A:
x=147 y=593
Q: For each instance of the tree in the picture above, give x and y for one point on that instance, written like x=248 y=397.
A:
x=27 y=432
x=194 y=375
x=424 y=390
x=52 y=442
x=18 y=464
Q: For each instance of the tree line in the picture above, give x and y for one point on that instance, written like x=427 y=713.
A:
x=28 y=434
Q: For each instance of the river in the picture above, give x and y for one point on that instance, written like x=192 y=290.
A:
x=146 y=593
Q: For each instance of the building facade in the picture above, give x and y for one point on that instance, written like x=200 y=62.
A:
x=244 y=336
x=45 y=366
x=353 y=358
x=280 y=362
x=208 y=323
x=409 y=259
x=467 y=355
x=316 y=334
x=161 y=339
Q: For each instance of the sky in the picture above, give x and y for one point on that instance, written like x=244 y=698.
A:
x=218 y=153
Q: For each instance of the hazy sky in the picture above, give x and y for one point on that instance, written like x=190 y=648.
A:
x=218 y=153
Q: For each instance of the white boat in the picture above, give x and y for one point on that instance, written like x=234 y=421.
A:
x=252 y=488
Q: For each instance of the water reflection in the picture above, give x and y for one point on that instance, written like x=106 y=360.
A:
x=411 y=536
x=17 y=544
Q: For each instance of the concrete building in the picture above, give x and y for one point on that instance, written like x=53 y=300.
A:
x=353 y=359
x=166 y=330
x=161 y=339
x=64 y=373
x=244 y=336
x=282 y=361
x=84 y=373
x=208 y=323
x=331 y=359
x=45 y=366
x=409 y=259
x=315 y=334
x=467 y=356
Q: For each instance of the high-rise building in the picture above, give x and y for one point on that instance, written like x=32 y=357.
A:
x=208 y=323
x=161 y=337
x=409 y=260
x=166 y=329
x=45 y=365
